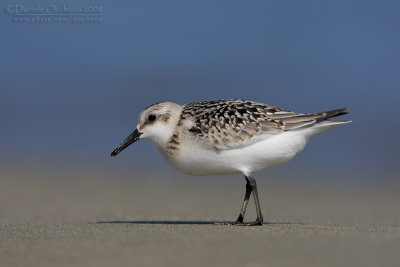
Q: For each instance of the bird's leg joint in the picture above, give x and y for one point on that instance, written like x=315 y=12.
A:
x=251 y=182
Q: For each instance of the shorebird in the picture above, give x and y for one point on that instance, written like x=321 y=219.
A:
x=227 y=137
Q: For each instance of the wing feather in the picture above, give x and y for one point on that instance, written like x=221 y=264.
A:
x=227 y=124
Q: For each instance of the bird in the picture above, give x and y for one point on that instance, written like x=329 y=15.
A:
x=230 y=136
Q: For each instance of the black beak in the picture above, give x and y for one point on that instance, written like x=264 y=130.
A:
x=133 y=137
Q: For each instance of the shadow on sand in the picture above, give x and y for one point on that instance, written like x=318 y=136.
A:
x=165 y=222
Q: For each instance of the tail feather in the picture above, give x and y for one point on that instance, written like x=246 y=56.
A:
x=320 y=119
x=332 y=113
x=323 y=123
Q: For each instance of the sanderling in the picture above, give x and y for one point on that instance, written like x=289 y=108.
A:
x=228 y=136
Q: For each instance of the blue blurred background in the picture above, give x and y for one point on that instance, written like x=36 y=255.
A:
x=72 y=91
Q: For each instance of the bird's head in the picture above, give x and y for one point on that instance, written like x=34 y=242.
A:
x=156 y=124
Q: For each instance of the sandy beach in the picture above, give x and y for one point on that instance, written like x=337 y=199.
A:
x=76 y=77
x=89 y=220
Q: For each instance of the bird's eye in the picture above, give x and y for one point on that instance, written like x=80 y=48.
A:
x=152 y=117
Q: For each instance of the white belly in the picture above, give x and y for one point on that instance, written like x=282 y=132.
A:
x=197 y=160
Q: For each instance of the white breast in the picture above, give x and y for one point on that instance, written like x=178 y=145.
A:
x=195 y=159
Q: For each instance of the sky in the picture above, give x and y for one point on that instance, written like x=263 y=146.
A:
x=71 y=91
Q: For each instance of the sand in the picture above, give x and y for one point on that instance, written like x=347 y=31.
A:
x=89 y=220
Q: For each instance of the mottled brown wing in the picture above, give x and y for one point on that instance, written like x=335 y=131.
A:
x=226 y=124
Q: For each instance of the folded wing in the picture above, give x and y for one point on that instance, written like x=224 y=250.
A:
x=227 y=124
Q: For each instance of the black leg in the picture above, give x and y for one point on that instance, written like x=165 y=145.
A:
x=244 y=205
x=251 y=187
x=260 y=219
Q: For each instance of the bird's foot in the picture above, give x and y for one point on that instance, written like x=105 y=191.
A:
x=257 y=222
